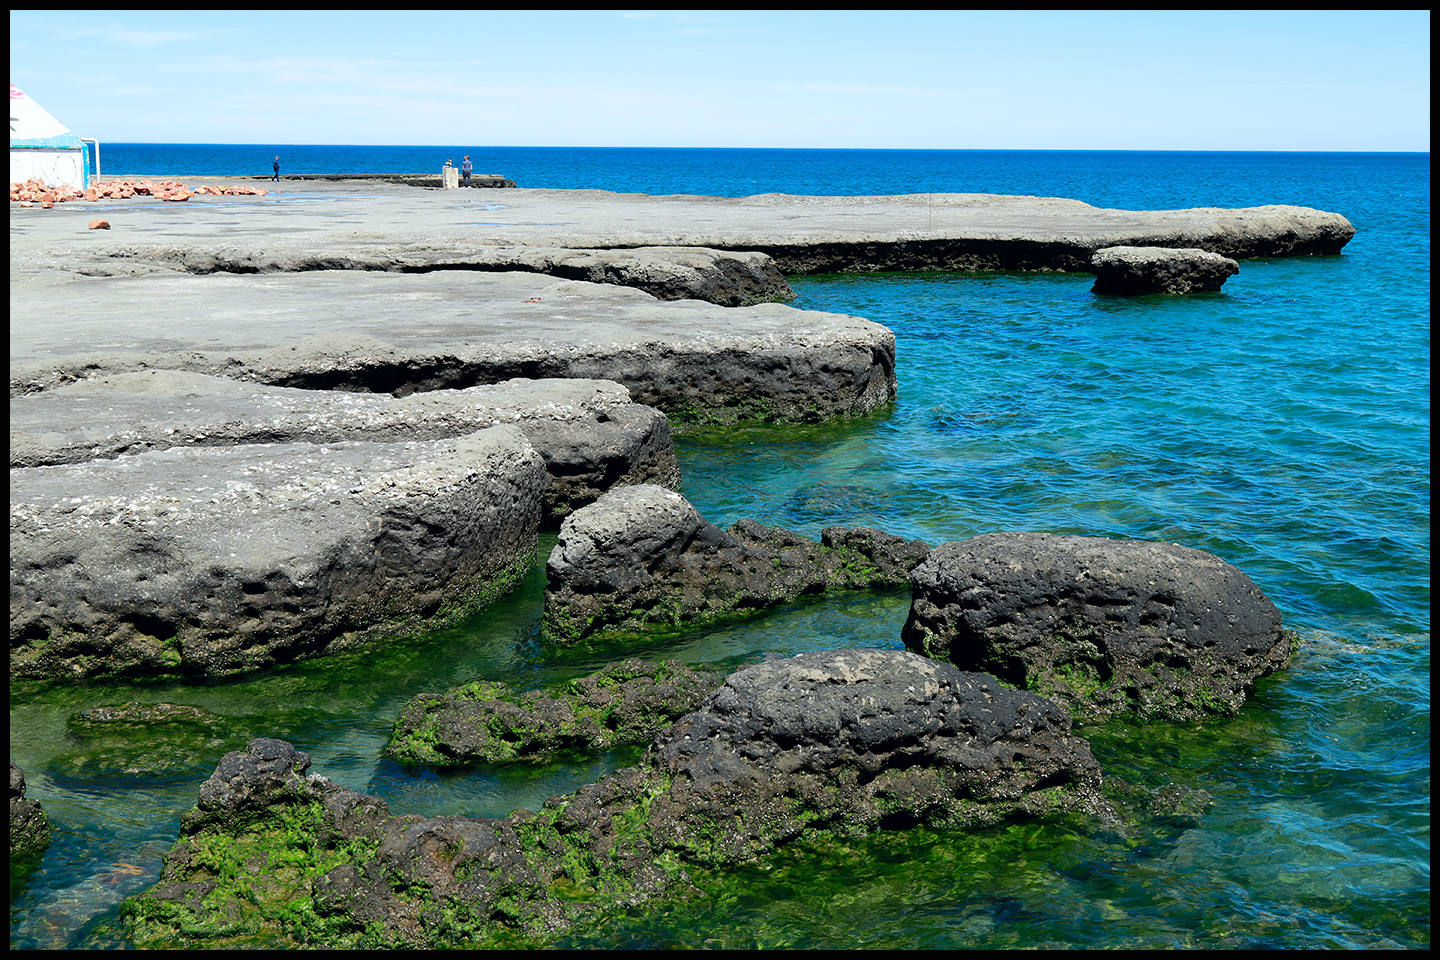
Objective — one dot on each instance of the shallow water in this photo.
(1282, 424)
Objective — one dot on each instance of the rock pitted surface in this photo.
(29, 826)
(626, 703)
(589, 434)
(730, 278)
(1132, 271)
(376, 332)
(1103, 626)
(844, 742)
(214, 561)
(642, 557)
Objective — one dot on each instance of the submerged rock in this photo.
(642, 557)
(143, 741)
(1103, 626)
(843, 742)
(626, 703)
(1130, 271)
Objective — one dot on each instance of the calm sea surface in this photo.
(1283, 424)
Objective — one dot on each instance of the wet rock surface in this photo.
(1132, 271)
(29, 828)
(143, 742)
(642, 557)
(589, 434)
(625, 704)
(843, 742)
(215, 561)
(1103, 626)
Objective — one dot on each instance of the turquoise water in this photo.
(1282, 424)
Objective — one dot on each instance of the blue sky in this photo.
(1221, 80)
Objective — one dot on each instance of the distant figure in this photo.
(466, 169)
(277, 169)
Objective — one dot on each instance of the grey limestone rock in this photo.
(588, 432)
(641, 557)
(1103, 626)
(214, 561)
(1130, 271)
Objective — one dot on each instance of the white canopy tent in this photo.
(43, 148)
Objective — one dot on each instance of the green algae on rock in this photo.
(840, 743)
(625, 704)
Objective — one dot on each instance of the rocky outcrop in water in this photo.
(641, 557)
(843, 743)
(625, 704)
(1102, 626)
(1131, 271)
(214, 561)
(29, 826)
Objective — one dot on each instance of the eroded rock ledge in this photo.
(588, 432)
(843, 742)
(726, 278)
(214, 561)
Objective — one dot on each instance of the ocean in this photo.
(1283, 424)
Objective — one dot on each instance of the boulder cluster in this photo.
(844, 742)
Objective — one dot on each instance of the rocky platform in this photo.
(203, 562)
(588, 432)
(802, 234)
(400, 334)
(842, 743)
(1103, 626)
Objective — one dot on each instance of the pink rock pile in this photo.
(31, 192)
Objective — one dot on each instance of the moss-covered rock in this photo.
(29, 830)
(625, 704)
(842, 743)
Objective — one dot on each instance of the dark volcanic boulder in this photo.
(29, 826)
(851, 740)
(1130, 271)
(1104, 626)
(643, 557)
(845, 741)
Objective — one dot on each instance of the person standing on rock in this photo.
(466, 169)
(277, 169)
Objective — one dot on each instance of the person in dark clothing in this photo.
(277, 169)
(466, 169)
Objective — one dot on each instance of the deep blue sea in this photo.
(1283, 424)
